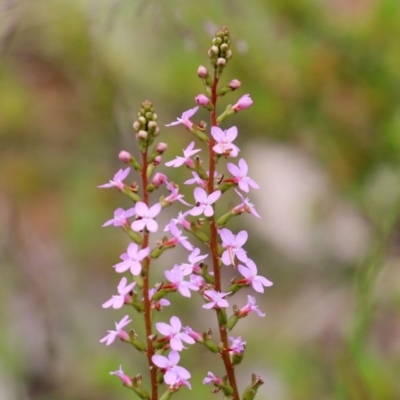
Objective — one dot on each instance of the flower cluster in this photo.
(211, 247)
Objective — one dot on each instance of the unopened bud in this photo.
(202, 100)
(159, 179)
(124, 156)
(221, 61)
(244, 102)
(234, 84)
(136, 126)
(161, 147)
(157, 160)
(202, 71)
(142, 134)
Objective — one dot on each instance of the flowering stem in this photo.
(214, 244)
(146, 298)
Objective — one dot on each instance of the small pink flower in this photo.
(173, 373)
(178, 237)
(250, 306)
(117, 181)
(233, 246)
(244, 102)
(118, 331)
(216, 299)
(187, 153)
(250, 274)
(194, 259)
(173, 333)
(197, 180)
(212, 379)
(237, 346)
(245, 206)
(123, 291)
(120, 217)
(177, 279)
(240, 175)
(121, 375)
(204, 202)
(147, 217)
(224, 141)
(185, 118)
(174, 194)
(132, 259)
(180, 220)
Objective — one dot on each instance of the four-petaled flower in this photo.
(177, 237)
(196, 179)
(204, 202)
(245, 206)
(173, 373)
(121, 375)
(185, 118)
(240, 177)
(250, 306)
(173, 333)
(176, 276)
(237, 346)
(117, 181)
(120, 217)
(224, 141)
(233, 246)
(132, 259)
(194, 259)
(118, 331)
(187, 153)
(147, 216)
(216, 299)
(250, 274)
(123, 291)
(174, 194)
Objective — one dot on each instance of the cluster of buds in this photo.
(211, 247)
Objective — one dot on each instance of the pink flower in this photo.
(176, 277)
(237, 346)
(147, 217)
(175, 195)
(224, 141)
(121, 375)
(204, 202)
(132, 259)
(177, 237)
(173, 333)
(240, 175)
(181, 220)
(250, 306)
(118, 179)
(118, 331)
(120, 217)
(216, 299)
(197, 180)
(197, 337)
(173, 373)
(187, 153)
(185, 118)
(250, 274)
(244, 102)
(233, 245)
(194, 259)
(245, 207)
(212, 379)
(123, 291)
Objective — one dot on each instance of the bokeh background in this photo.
(322, 140)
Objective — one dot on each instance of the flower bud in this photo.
(202, 100)
(161, 147)
(244, 102)
(234, 84)
(124, 156)
(157, 160)
(221, 61)
(202, 71)
(142, 134)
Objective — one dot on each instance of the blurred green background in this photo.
(322, 140)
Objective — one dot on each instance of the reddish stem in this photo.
(229, 367)
(146, 299)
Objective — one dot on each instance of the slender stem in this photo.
(214, 246)
(146, 299)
